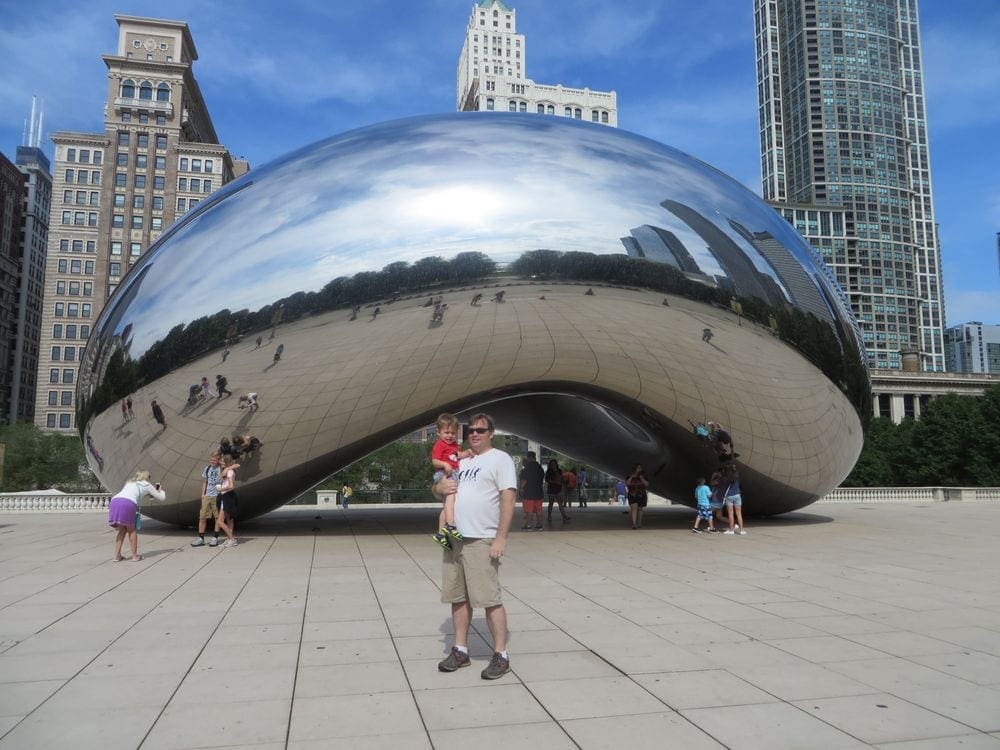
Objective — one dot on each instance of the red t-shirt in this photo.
(447, 452)
(569, 479)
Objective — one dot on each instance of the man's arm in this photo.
(507, 501)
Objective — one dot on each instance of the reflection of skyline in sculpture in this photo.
(802, 289)
(739, 269)
(368, 219)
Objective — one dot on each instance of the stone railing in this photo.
(71, 502)
(95, 501)
(911, 494)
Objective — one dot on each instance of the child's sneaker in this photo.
(695, 531)
(712, 530)
(442, 539)
(452, 531)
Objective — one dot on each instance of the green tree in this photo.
(36, 460)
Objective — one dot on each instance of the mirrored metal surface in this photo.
(599, 292)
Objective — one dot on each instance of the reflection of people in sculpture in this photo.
(438, 315)
(158, 414)
(498, 297)
(94, 452)
(128, 403)
(278, 352)
(124, 412)
(706, 335)
(260, 340)
(249, 401)
(220, 386)
(589, 292)
(700, 430)
(476, 299)
(722, 441)
(206, 390)
(376, 311)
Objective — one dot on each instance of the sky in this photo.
(278, 76)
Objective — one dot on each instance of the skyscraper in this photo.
(492, 73)
(115, 192)
(844, 157)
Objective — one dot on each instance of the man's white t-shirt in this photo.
(481, 479)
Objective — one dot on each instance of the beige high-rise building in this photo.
(492, 73)
(114, 193)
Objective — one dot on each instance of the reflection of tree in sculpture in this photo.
(184, 343)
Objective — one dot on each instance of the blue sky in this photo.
(277, 76)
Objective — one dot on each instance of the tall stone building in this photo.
(844, 157)
(115, 192)
(492, 73)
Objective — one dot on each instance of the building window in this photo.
(196, 165)
(66, 398)
(73, 310)
(74, 288)
(60, 309)
(184, 164)
(121, 179)
(136, 222)
(128, 89)
(138, 201)
(208, 165)
(162, 92)
(146, 91)
(568, 112)
(540, 109)
(489, 104)
(122, 137)
(119, 200)
(79, 218)
(67, 376)
(71, 330)
(97, 157)
(71, 154)
(67, 217)
(92, 219)
(512, 106)
(88, 267)
(140, 181)
(57, 331)
(181, 205)
(56, 351)
(126, 117)
(156, 223)
(84, 331)
(74, 266)
(157, 202)
(182, 183)
(135, 249)
(53, 398)
(162, 119)
(85, 156)
(85, 309)
(142, 140)
(159, 182)
(50, 419)
(60, 287)
(95, 177)
(206, 186)
(161, 162)
(64, 421)
(140, 161)
(114, 269)
(88, 289)
(118, 221)
(61, 266)
(69, 354)
(116, 248)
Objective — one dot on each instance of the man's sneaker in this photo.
(214, 542)
(455, 660)
(695, 531)
(729, 531)
(442, 539)
(538, 527)
(453, 532)
(497, 667)
(198, 542)
(712, 530)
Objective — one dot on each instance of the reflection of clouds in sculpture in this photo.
(324, 211)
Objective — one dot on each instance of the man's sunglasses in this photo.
(479, 430)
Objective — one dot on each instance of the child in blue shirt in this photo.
(703, 495)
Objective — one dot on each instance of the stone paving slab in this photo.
(837, 626)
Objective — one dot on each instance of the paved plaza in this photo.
(840, 626)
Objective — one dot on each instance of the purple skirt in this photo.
(121, 512)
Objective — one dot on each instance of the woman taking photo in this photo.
(635, 487)
(227, 500)
(124, 510)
